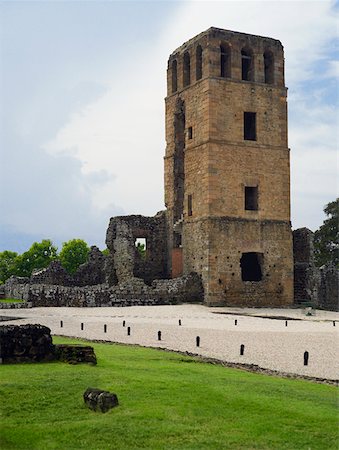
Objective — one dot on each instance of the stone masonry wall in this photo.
(25, 343)
(328, 297)
(132, 291)
(306, 274)
(88, 274)
(125, 260)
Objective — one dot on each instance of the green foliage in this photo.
(105, 252)
(166, 401)
(141, 249)
(38, 256)
(326, 239)
(73, 254)
(7, 265)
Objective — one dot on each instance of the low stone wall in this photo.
(16, 305)
(133, 292)
(25, 343)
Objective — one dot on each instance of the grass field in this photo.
(10, 300)
(167, 401)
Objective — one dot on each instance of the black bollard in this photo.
(285, 323)
(306, 355)
(82, 326)
(180, 322)
(334, 323)
(128, 331)
(236, 322)
(61, 324)
(242, 349)
(105, 328)
(198, 341)
(159, 335)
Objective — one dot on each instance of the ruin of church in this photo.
(227, 169)
(227, 177)
(225, 237)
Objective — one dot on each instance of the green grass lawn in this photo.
(10, 300)
(167, 401)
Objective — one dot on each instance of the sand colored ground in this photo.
(267, 341)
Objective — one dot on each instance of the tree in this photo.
(73, 254)
(7, 265)
(141, 248)
(38, 256)
(326, 239)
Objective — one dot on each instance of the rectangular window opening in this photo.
(250, 126)
(141, 246)
(251, 198)
(190, 133)
(189, 205)
(251, 266)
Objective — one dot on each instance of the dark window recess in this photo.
(189, 205)
(246, 65)
(250, 264)
(225, 61)
(187, 69)
(174, 76)
(190, 132)
(250, 126)
(269, 67)
(177, 240)
(198, 63)
(251, 198)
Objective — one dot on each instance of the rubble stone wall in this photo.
(306, 274)
(88, 274)
(126, 262)
(313, 284)
(25, 343)
(328, 289)
(131, 292)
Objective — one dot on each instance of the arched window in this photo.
(174, 76)
(198, 63)
(269, 67)
(225, 61)
(247, 73)
(187, 69)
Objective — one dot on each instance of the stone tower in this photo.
(227, 170)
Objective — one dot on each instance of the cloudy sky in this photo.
(82, 111)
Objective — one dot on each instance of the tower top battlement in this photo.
(219, 53)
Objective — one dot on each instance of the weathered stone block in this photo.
(99, 400)
(75, 353)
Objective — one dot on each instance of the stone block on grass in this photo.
(99, 400)
(75, 353)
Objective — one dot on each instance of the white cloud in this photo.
(122, 132)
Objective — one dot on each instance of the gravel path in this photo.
(269, 341)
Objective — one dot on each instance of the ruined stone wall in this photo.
(217, 258)
(131, 292)
(126, 261)
(328, 297)
(53, 274)
(88, 274)
(306, 274)
(25, 343)
(318, 286)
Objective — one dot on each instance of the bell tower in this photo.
(227, 170)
